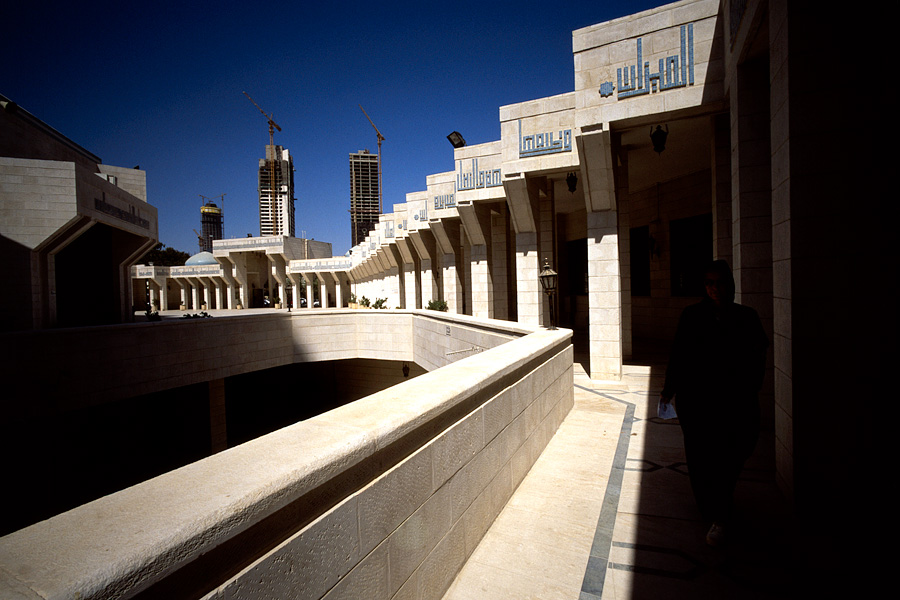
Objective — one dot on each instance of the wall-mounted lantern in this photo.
(658, 137)
(549, 279)
(288, 289)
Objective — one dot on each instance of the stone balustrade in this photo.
(385, 497)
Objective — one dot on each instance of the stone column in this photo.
(498, 262)
(751, 208)
(277, 270)
(218, 430)
(528, 287)
(401, 274)
(476, 220)
(195, 293)
(154, 294)
(323, 292)
(338, 295)
(721, 188)
(391, 275)
(239, 273)
(408, 270)
(424, 243)
(309, 289)
(523, 198)
(604, 295)
(447, 233)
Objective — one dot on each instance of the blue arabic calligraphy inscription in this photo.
(444, 201)
(477, 179)
(543, 143)
(674, 71)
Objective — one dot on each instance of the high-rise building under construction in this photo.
(276, 192)
(211, 221)
(365, 198)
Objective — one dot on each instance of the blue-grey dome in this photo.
(201, 258)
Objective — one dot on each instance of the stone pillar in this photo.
(528, 287)
(309, 289)
(323, 292)
(751, 208)
(218, 430)
(408, 272)
(239, 273)
(394, 249)
(476, 220)
(498, 262)
(604, 295)
(523, 198)
(391, 275)
(277, 271)
(209, 292)
(338, 293)
(447, 233)
(154, 294)
(721, 189)
(163, 294)
(424, 243)
(184, 291)
(221, 293)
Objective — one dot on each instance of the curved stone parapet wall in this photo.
(382, 498)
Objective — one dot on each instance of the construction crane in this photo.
(380, 139)
(199, 240)
(272, 124)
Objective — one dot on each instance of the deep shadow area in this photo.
(57, 463)
(666, 540)
(264, 401)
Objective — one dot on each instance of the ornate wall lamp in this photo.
(658, 137)
(549, 279)
(572, 182)
(288, 289)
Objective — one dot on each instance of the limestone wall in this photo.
(381, 498)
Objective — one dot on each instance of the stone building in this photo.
(695, 131)
(71, 227)
(276, 192)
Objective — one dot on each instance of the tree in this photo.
(162, 256)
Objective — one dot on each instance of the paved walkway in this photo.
(607, 513)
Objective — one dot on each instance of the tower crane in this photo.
(199, 240)
(380, 139)
(272, 124)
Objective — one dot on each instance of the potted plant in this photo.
(277, 302)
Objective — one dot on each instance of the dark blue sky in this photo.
(159, 85)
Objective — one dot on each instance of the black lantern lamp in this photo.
(456, 139)
(549, 279)
(288, 289)
(658, 137)
(572, 182)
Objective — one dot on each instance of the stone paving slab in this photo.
(607, 513)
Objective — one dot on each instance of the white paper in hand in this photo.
(665, 410)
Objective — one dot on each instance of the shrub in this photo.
(440, 305)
